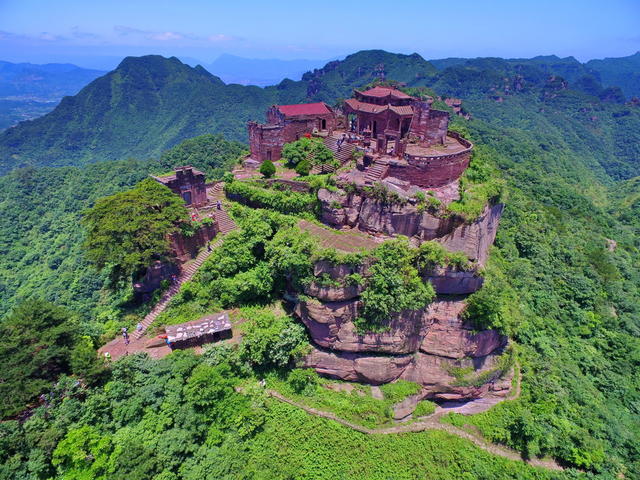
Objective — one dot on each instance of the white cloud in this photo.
(164, 36)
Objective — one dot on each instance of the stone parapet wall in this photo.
(430, 172)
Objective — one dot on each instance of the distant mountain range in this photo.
(148, 104)
(261, 72)
(28, 91)
(623, 72)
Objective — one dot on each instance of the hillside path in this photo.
(428, 423)
(432, 422)
(137, 341)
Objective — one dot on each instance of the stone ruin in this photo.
(406, 148)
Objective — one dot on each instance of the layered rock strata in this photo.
(372, 215)
(423, 346)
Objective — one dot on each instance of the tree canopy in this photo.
(129, 230)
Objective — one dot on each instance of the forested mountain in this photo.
(149, 104)
(563, 276)
(623, 72)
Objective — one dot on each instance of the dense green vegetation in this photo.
(350, 401)
(41, 237)
(128, 231)
(621, 72)
(182, 417)
(392, 285)
(209, 153)
(555, 282)
(307, 152)
(283, 201)
(40, 342)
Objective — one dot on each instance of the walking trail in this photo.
(432, 422)
(137, 341)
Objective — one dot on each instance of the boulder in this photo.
(432, 372)
(331, 326)
(371, 369)
(449, 337)
(447, 281)
(474, 239)
(332, 293)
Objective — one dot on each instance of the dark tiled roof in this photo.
(402, 110)
(365, 107)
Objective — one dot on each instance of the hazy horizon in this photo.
(95, 35)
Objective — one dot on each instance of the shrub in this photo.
(399, 390)
(424, 408)
(303, 168)
(303, 380)
(282, 201)
(393, 285)
(267, 169)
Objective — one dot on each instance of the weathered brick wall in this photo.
(427, 124)
(186, 248)
(430, 173)
(264, 139)
(272, 136)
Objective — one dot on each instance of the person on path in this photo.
(125, 335)
(219, 205)
(208, 246)
(139, 327)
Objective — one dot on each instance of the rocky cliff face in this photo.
(340, 209)
(424, 346)
(433, 346)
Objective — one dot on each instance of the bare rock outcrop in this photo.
(373, 215)
(449, 337)
(366, 368)
(331, 325)
(447, 281)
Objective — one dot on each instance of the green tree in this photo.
(303, 168)
(271, 340)
(393, 285)
(37, 340)
(267, 169)
(129, 230)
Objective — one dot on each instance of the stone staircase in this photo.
(226, 225)
(346, 149)
(343, 154)
(376, 172)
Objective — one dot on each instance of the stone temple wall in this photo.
(430, 172)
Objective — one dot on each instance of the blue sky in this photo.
(83, 30)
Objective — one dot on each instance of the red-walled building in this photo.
(387, 114)
(187, 182)
(287, 123)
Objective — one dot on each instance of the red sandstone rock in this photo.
(331, 326)
(431, 372)
(370, 369)
(446, 281)
(374, 216)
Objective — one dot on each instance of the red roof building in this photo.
(288, 123)
(304, 109)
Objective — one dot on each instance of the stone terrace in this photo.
(348, 242)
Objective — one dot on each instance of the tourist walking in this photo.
(125, 335)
